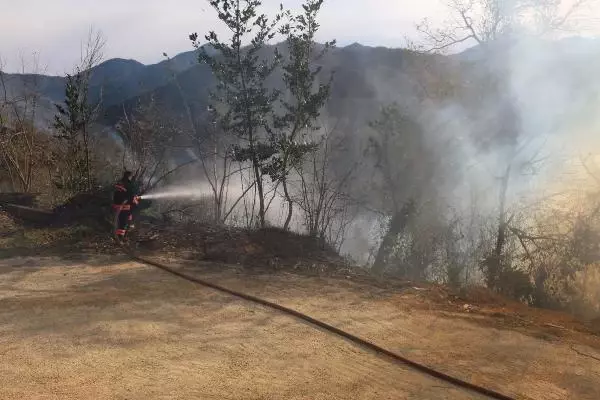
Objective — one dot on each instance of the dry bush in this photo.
(200, 210)
(586, 292)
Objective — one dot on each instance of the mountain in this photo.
(119, 82)
(112, 83)
(365, 78)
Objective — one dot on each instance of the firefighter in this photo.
(124, 199)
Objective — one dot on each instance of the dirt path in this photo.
(525, 363)
(116, 330)
(127, 331)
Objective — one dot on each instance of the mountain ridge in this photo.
(365, 76)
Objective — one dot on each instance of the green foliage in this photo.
(285, 154)
(72, 123)
(307, 97)
(73, 116)
(240, 71)
(242, 102)
(292, 137)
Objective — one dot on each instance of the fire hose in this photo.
(329, 328)
(363, 343)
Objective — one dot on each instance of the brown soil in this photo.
(110, 329)
(126, 331)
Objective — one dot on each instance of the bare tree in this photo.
(216, 161)
(214, 150)
(215, 153)
(148, 136)
(559, 240)
(485, 21)
(18, 133)
(74, 119)
(322, 195)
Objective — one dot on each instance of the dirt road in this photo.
(109, 329)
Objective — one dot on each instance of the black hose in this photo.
(348, 336)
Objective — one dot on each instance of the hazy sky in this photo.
(144, 29)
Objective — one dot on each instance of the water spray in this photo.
(174, 194)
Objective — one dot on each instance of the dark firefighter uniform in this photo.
(124, 199)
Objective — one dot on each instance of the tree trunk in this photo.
(259, 187)
(495, 264)
(288, 219)
(397, 225)
(88, 168)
